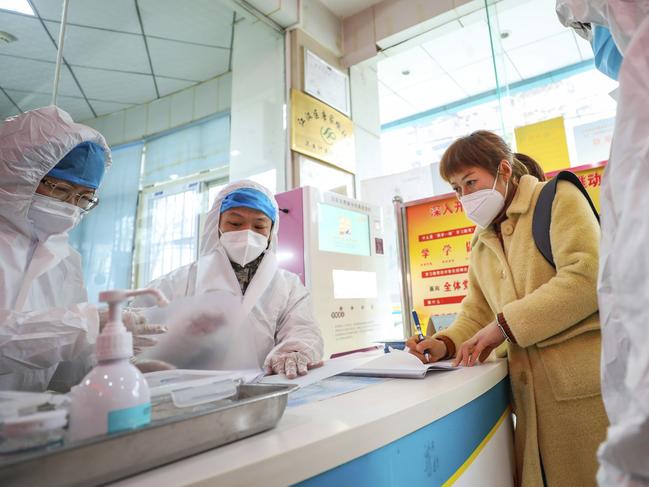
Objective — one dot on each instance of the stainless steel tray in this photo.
(256, 408)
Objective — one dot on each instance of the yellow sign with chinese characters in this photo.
(546, 142)
(321, 132)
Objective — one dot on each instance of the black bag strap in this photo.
(543, 212)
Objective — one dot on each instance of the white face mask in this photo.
(52, 217)
(483, 206)
(243, 246)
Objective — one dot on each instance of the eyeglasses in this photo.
(64, 192)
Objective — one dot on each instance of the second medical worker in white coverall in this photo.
(46, 325)
(238, 250)
(623, 289)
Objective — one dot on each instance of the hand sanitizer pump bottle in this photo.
(114, 396)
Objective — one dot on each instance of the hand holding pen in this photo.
(427, 349)
(420, 335)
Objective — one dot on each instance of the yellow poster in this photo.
(319, 131)
(591, 178)
(439, 243)
(546, 142)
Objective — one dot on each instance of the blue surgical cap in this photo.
(83, 165)
(607, 56)
(250, 198)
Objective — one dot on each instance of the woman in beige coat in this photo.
(549, 316)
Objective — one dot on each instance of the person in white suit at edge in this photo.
(620, 40)
(50, 171)
(238, 255)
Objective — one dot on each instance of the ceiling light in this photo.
(6, 38)
(20, 6)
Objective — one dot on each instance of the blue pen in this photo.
(415, 317)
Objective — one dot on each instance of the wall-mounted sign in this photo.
(319, 131)
(326, 83)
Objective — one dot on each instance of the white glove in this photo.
(291, 364)
(143, 332)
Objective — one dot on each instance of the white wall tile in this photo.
(158, 117)
(135, 122)
(225, 92)
(182, 107)
(206, 98)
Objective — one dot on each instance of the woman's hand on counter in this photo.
(479, 346)
(436, 348)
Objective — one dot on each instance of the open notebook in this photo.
(399, 364)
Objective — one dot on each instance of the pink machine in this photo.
(335, 245)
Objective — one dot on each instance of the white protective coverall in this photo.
(45, 322)
(277, 307)
(623, 288)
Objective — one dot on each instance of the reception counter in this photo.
(451, 428)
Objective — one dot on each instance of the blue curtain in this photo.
(189, 150)
(104, 238)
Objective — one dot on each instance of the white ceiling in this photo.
(113, 60)
(454, 61)
(345, 8)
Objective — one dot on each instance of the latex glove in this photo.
(146, 366)
(479, 346)
(205, 323)
(291, 364)
(143, 332)
(436, 348)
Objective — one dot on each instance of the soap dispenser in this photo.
(114, 396)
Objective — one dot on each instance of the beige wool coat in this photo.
(554, 367)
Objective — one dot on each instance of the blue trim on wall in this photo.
(428, 456)
(487, 96)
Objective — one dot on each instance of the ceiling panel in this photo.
(345, 8)
(545, 55)
(76, 107)
(168, 85)
(462, 47)
(117, 15)
(34, 76)
(527, 22)
(393, 107)
(415, 61)
(433, 93)
(117, 87)
(201, 21)
(7, 109)
(187, 61)
(32, 40)
(99, 48)
(104, 107)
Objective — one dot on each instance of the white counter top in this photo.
(316, 437)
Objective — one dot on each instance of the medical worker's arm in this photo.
(571, 295)
(298, 340)
(41, 339)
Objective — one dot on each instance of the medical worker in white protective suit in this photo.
(238, 250)
(45, 323)
(624, 256)
(50, 170)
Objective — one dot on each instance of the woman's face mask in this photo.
(52, 217)
(481, 204)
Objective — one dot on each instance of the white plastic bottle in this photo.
(114, 396)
